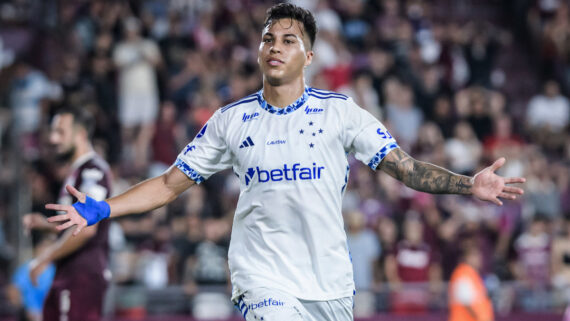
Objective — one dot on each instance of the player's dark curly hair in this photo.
(291, 11)
(81, 117)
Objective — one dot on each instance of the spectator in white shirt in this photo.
(549, 110)
(136, 59)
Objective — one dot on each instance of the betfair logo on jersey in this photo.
(309, 110)
(285, 173)
(249, 117)
(265, 303)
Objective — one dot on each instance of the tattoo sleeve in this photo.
(422, 176)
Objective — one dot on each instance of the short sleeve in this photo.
(208, 153)
(19, 277)
(366, 136)
(21, 280)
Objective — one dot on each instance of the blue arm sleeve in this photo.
(93, 211)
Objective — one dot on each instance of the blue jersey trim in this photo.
(326, 97)
(189, 171)
(242, 307)
(326, 93)
(381, 154)
(286, 110)
(345, 178)
(244, 100)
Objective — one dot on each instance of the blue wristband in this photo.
(93, 211)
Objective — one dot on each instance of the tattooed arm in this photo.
(422, 176)
(429, 178)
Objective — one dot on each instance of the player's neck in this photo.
(81, 150)
(283, 95)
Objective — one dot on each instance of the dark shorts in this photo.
(77, 299)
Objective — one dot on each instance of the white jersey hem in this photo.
(305, 296)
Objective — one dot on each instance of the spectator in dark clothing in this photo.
(480, 53)
(479, 114)
(443, 115)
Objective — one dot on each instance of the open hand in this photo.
(71, 216)
(36, 221)
(488, 186)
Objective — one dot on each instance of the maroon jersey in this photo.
(413, 261)
(89, 174)
(533, 253)
(80, 283)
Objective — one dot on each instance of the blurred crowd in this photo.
(441, 75)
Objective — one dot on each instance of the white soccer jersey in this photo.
(288, 232)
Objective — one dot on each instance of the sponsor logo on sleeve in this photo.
(189, 148)
(385, 134)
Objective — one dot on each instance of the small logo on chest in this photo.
(309, 110)
(276, 142)
(247, 143)
(249, 117)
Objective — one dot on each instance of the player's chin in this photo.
(274, 80)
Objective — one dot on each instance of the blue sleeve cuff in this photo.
(381, 154)
(93, 211)
(189, 171)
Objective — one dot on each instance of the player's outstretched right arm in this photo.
(145, 196)
(429, 178)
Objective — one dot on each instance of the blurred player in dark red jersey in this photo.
(413, 269)
(81, 278)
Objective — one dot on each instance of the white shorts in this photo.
(272, 305)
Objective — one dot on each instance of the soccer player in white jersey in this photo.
(288, 143)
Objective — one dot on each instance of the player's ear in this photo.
(309, 58)
(81, 132)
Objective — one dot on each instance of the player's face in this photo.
(283, 51)
(62, 134)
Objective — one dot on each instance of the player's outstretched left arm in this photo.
(146, 196)
(429, 178)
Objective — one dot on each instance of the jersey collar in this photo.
(83, 159)
(286, 110)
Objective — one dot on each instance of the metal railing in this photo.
(412, 298)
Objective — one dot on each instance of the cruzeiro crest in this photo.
(310, 132)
